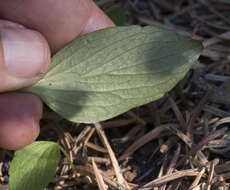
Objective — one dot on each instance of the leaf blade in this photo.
(103, 74)
(34, 166)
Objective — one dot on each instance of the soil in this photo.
(178, 142)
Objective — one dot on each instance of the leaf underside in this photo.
(108, 72)
(34, 166)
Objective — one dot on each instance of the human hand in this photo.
(35, 30)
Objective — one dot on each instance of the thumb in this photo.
(24, 56)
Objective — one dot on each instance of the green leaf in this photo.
(117, 15)
(108, 72)
(34, 166)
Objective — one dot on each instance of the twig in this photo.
(83, 133)
(196, 113)
(204, 2)
(99, 178)
(168, 144)
(225, 167)
(210, 176)
(197, 180)
(161, 172)
(130, 134)
(188, 142)
(216, 111)
(177, 112)
(88, 171)
(138, 119)
(114, 161)
(96, 147)
(170, 177)
(173, 163)
(201, 144)
(174, 160)
(99, 160)
(143, 140)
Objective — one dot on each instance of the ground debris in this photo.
(181, 141)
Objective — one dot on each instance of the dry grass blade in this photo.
(143, 140)
(222, 168)
(215, 40)
(210, 176)
(114, 161)
(214, 11)
(77, 144)
(170, 177)
(88, 171)
(177, 112)
(136, 117)
(89, 135)
(197, 180)
(129, 135)
(221, 121)
(99, 178)
(174, 160)
(172, 163)
(225, 176)
(63, 137)
(201, 144)
(83, 133)
(191, 113)
(175, 185)
(161, 172)
(151, 170)
(168, 144)
(215, 111)
(99, 160)
(196, 114)
(198, 187)
(188, 142)
(96, 147)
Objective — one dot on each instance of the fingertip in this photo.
(97, 20)
(19, 115)
(64, 20)
(24, 56)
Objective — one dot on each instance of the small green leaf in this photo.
(108, 72)
(117, 15)
(34, 166)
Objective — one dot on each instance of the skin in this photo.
(30, 32)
